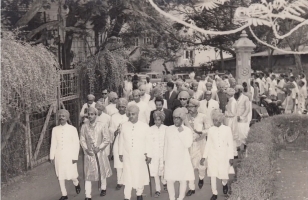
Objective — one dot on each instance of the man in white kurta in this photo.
(197, 123)
(198, 94)
(219, 152)
(242, 114)
(157, 133)
(105, 120)
(112, 107)
(209, 87)
(178, 166)
(94, 138)
(115, 127)
(207, 105)
(144, 112)
(144, 96)
(135, 152)
(64, 150)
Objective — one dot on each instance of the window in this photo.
(188, 54)
(145, 54)
(147, 40)
(154, 76)
(136, 42)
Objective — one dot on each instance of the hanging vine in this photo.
(28, 77)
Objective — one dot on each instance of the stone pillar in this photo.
(243, 48)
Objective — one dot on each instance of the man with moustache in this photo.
(64, 151)
(135, 152)
(94, 138)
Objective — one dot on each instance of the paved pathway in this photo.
(41, 184)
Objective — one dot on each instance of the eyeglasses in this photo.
(104, 93)
(182, 99)
(176, 118)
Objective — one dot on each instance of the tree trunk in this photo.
(270, 58)
(66, 50)
(34, 9)
(96, 40)
(298, 63)
(222, 63)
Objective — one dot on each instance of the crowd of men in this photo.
(191, 127)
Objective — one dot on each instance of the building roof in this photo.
(276, 52)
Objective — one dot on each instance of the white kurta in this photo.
(64, 149)
(105, 120)
(144, 112)
(203, 108)
(134, 142)
(111, 109)
(152, 105)
(178, 166)
(230, 116)
(218, 151)
(145, 98)
(158, 140)
(198, 95)
(116, 120)
(242, 111)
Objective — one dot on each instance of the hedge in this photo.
(256, 172)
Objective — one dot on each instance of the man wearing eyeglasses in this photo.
(104, 98)
(178, 166)
(113, 100)
(197, 123)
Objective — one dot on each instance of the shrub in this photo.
(256, 172)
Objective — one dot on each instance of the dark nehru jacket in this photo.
(168, 117)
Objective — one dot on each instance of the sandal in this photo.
(157, 194)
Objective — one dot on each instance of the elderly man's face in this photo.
(177, 121)
(183, 101)
(195, 88)
(208, 96)
(62, 117)
(157, 94)
(121, 108)
(209, 87)
(191, 108)
(158, 121)
(100, 110)
(115, 100)
(142, 91)
(90, 101)
(216, 122)
(91, 116)
(136, 97)
(133, 116)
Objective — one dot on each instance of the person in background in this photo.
(135, 152)
(148, 86)
(302, 96)
(113, 100)
(226, 80)
(295, 93)
(260, 84)
(178, 166)
(199, 128)
(209, 87)
(249, 94)
(64, 152)
(94, 138)
(290, 72)
(144, 113)
(280, 92)
(232, 82)
(170, 95)
(156, 93)
(207, 105)
(84, 110)
(289, 102)
(104, 98)
(197, 93)
(159, 104)
(115, 130)
(222, 95)
(157, 134)
(201, 83)
(218, 152)
(144, 96)
(229, 74)
(130, 98)
(272, 88)
(128, 87)
(135, 82)
(242, 114)
(256, 94)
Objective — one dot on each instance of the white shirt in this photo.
(86, 105)
(144, 111)
(148, 87)
(145, 98)
(111, 109)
